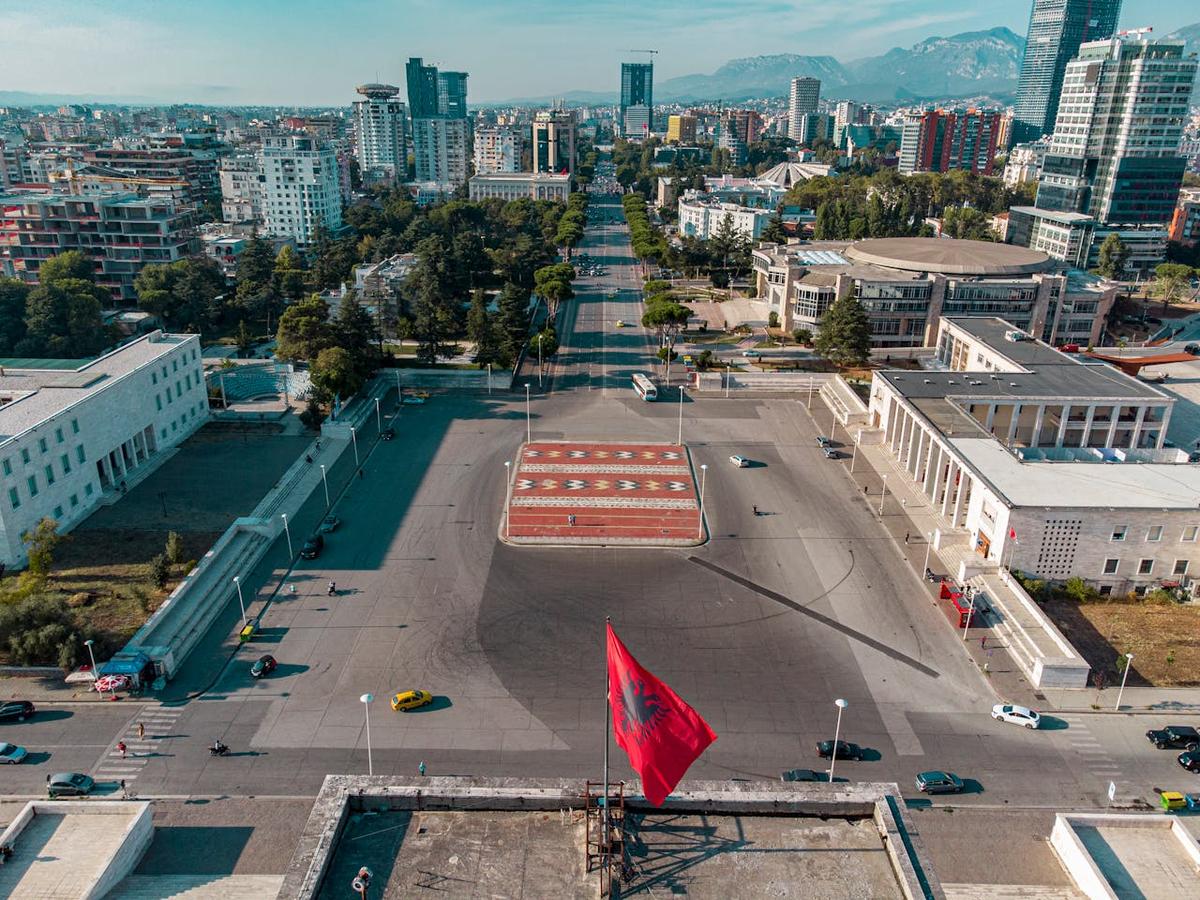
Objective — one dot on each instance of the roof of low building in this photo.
(949, 256)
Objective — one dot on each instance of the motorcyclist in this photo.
(219, 748)
(332, 589)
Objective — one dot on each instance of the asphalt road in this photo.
(761, 629)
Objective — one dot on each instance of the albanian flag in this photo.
(661, 734)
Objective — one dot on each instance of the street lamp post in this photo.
(539, 340)
(928, 547)
(88, 643)
(810, 389)
(366, 699)
(1124, 677)
(325, 481)
(882, 495)
(241, 600)
(728, 375)
(680, 440)
(853, 455)
(703, 476)
(970, 616)
(528, 426)
(378, 416)
(837, 733)
(507, 495)
(288, 532)
(354, 439)
(489, 379)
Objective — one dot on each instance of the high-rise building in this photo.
(802, 100)
(811, 127)
(497, 149)
(1056, 29)
(452, 94)
(681, 129)
(637, 89)
(301, 187)
(441, 148)
(379, 127)
(1114, 154)
(938, 140)
(554, 141)
(422, 88)
(241, 190)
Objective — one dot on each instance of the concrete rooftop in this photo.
(949, 257)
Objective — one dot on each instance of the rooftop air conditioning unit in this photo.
(1015, 336)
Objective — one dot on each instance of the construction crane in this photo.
(641, 51)
(1136, 32)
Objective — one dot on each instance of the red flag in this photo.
(661, 734)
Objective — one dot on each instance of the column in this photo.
(951, 471)
(1112, 428)
(1062, 425)
(1036, 437)
(1087, 425)
(990, 418)
(1136, 438)
(914, 458)
(1012, 424)
(932, 466)
(964, 488)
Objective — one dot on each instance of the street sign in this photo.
(1112, 791)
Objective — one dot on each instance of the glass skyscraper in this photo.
(1056, 29)
(637, 89)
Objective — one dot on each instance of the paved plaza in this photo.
(603, 493)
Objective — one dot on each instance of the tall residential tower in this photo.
(1056, 29)
(802, 101)
(379, 128)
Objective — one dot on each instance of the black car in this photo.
(804, 775)
(312, 547)
(16, 709)
(845, 750)
(264, 665)
(387, 434)
(1183, 737)
(1193, 349)
(1190, 760)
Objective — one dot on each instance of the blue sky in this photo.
(315, 51)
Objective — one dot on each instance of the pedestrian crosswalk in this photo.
(1093, 757)
(137, 745)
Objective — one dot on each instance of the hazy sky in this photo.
(316, 51)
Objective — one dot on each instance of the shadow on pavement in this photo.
(438, 702)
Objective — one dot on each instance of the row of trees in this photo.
(665, 315)
(60, 317)
(648, 242)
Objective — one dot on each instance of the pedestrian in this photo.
(571, 520)
(864, 488)
(360, 474)
(983, 642)
(124, 790)
(308, 459)
(291, 588)
(121, 748)
(141, 731)
(421, 768)
(755, 508)
(906, 537)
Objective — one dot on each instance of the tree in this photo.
(553, 284)
(774, 231)
(255, 268)
(433, 308)
(514, 320)
(355, 332)
(334, 373)
(70, 265)
(174, 548)
(288, 274)
(62, 319)
(160, 570)
(42, 541)
(482, 331)
(667, 318)
(844, 337)
(245, 340)
(1114, 254)
(967, 223)
(1171, 280)
(183, 293)
(545, 343)
(304, 330)
(13, 295)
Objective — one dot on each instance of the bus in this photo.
(644, 387)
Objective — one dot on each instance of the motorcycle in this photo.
(218, 750)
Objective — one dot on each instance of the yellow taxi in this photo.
(406, 700)
(620, 323)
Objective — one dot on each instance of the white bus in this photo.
(644, 387)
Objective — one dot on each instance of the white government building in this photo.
(1045, 462)
(70, 437)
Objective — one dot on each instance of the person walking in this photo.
(124, 790)
(421, 768)
(906, 534)
(141, 731)
(121, 748)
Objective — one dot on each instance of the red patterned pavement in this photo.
(591, 493)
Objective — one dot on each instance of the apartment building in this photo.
(497, 148)
(301, 187)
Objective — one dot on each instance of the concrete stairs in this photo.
(197, 887)
(1010, 892)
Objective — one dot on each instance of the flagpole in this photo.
(607, 729)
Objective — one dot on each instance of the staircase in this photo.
(1010, 892)
(198, 887)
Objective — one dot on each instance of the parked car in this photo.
(264, 665)
(1016, 715)
(414, 400)
(312, 547)
(1182, 737)
(845, 750)
(69, 784)
(620, 323)
(11, 754)
(328, 524)
(16, 709)
(937, 782)
(1190, 760)
(829, 453)
(406, 700)
(751, 354)
(387, 434)
(740, 461)
(804, 775)
(823, 441)
(1193, 349)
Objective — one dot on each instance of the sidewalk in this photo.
(47, 685)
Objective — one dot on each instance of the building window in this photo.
(1105, 590)
(154, 378)
(58, 435)
(7, 466)
(74, 500)
(24, 455)
(32, 482)
(74, 426)
(1118, 533)
(87, 489)
(80, 455)
(58, 512)
(1180, 567)
(66, 463)
(1145, 567)
(158, 401)
(49, 474)
(1189, 535)
(1110, 566)
(14, 498)
(42, 444)
(1154, 534)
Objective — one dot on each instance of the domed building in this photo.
(908, 284)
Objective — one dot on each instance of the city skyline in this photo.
(529, 48)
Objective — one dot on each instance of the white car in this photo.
(740, 461)
(1016, 715)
